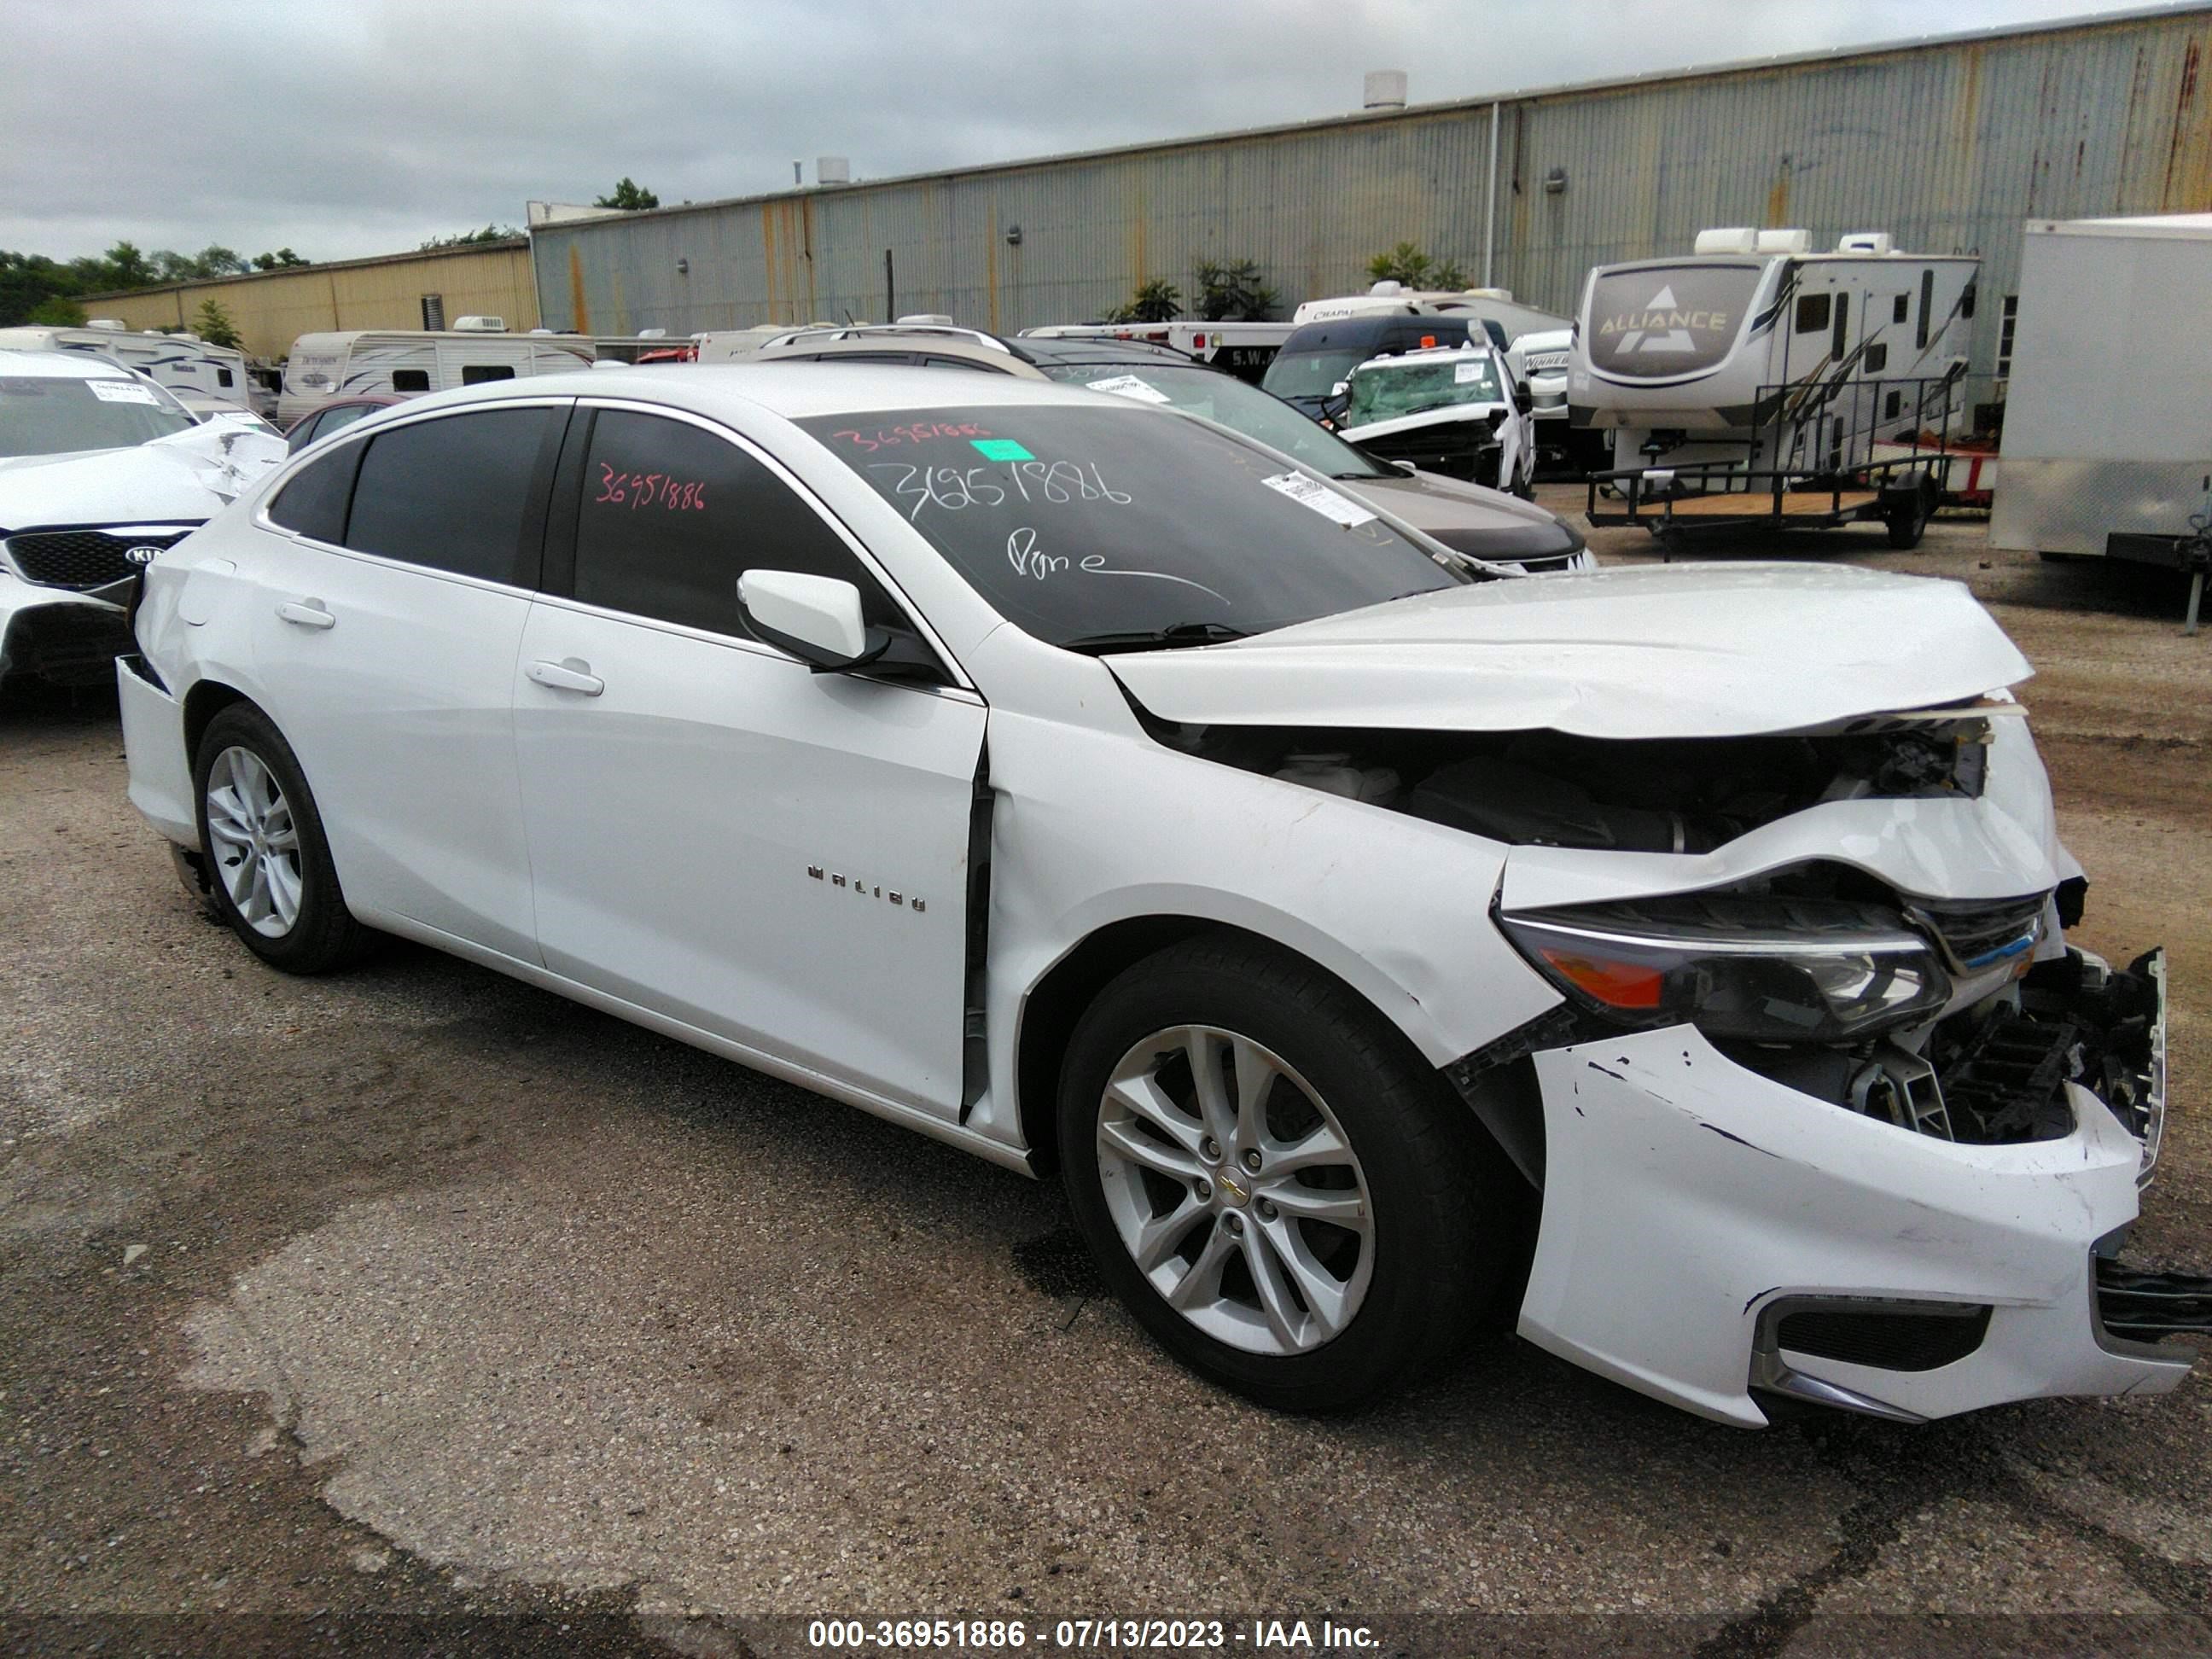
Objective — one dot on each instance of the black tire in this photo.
(324, 935)
(1906, 517)
(1449, 1220)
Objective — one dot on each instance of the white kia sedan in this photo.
(1668, 962)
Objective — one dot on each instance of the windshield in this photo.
(1668, 319)
(1408, 385)
(1309, 374)
(54, 415)
(1212, 396)
(1097, 523)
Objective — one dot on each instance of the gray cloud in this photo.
(351, 127)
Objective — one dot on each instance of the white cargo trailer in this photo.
(2107, 450)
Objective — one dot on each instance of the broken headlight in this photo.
(1753, 969)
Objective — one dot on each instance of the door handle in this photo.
(570, 675)
(307, 613)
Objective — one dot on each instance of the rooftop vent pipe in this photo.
(1385, 89)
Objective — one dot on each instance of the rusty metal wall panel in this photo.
(1950, 146)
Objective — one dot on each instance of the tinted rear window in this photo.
(451, 493)
(1668, 319)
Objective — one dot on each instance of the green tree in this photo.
(1406, 264)
(1157, 301)
(471, 238)
(56, 312)
(629, 196)
(282, 259)
(121, 266)
(212, 323)
(1231, 292)
(28, 280)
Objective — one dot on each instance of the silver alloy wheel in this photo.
(1235, 1190)
(254, 845)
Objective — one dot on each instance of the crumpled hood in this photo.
(1656, 652)
(186, 477)
(1444, 414)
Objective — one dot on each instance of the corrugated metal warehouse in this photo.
(1947, 143)
(273, 308)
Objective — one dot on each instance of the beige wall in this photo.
(272, 309)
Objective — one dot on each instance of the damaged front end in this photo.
(1829, 1111)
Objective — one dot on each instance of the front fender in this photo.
(1096, 827)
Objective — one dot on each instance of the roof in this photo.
(61, 366)
(1370, 117)
(453, 251)
(794, 391)
(986, 352)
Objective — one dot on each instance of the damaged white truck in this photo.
(1668, 963)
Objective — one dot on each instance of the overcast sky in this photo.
(343, 128)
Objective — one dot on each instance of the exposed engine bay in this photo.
(1551, 789)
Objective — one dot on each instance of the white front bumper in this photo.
(1683, 1193)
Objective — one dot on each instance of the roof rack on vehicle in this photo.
(871, 331)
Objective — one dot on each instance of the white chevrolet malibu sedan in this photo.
(1667, 961)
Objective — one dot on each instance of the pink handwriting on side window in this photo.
(636, 489)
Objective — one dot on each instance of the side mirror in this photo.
(815, 618)
(1407, 468)
(1524, 399)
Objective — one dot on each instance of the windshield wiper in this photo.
(1155, 639)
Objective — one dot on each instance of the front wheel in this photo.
(1273, 1183)
(270, 873)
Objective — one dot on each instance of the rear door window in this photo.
(672, 514)
(458, 494)
(314, 503)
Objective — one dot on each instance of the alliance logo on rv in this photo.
(1661, 326)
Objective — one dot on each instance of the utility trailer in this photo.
(2108, 415)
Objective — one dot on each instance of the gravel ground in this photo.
(416, 1310)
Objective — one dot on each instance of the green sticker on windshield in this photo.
(1001, 449)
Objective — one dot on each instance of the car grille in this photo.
(1979, 934)
(80, 558)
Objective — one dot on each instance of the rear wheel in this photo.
(1278, 1189)
(269, 866)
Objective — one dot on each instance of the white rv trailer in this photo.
(2107, 450)
(1759, 353)
(412, 361)
(184, 363)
